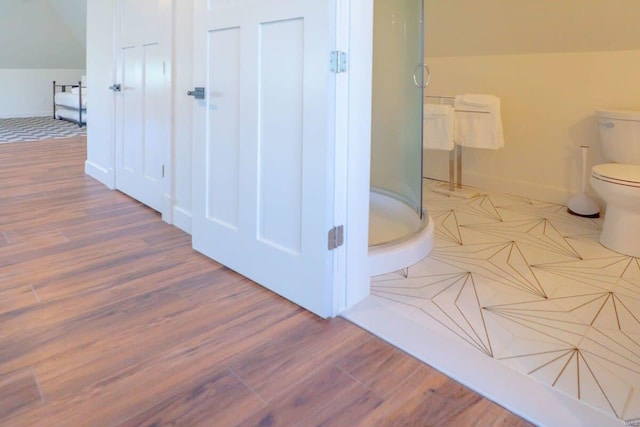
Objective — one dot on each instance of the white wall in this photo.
(29, 92)
(100, 100)
(39, 43)
(551, 71)
(182, 112)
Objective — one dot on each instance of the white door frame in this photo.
(353, 151)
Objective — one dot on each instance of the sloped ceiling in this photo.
(74, 14)
(43, 33)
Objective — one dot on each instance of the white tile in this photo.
(632, 410)
(528, 355)
(519, 393)
(430, 266)
(521, 285)
(632, 272)
(600, 273)
(616, 389)
(618, 351)
(567, 379)
(492, 291)
(593, 395)
(419, 287)
(589, 247)
(526, 327)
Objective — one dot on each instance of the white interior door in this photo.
(143, 99)
(263, 143)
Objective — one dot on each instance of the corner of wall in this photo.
(182, 219)
(100, 174)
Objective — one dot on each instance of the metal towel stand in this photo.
(455, 161)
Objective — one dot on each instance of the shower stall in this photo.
(400, 230)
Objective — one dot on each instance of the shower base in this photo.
(398, 238)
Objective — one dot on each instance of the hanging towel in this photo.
(438, 127)
(478, 121)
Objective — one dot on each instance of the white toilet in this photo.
(618, 183)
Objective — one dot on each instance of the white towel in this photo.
(438, 127)
(478, 121)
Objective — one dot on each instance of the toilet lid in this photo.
(616, 173)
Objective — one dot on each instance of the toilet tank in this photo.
(620, 135)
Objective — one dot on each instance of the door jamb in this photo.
(354, 28)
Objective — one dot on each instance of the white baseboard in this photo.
(26, 114)
(167, 209)
(182, 219)
(527, 189)
(100, 173)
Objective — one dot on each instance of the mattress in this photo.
(70, 114)
(69, 99)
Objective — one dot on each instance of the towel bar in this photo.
(454, 186)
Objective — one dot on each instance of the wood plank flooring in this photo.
(109, 318)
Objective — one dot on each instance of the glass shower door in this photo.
(398, 76)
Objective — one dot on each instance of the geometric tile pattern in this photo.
(530, 286)
(37, 128)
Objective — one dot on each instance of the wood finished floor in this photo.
(109, 318)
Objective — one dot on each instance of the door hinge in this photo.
(336, 237)
(338, 61)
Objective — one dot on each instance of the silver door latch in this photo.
(197, 92)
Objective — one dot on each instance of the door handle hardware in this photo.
(197, 92)
(426, 77)
(116, 87)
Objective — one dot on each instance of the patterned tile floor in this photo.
(528, 285)
(37, 128)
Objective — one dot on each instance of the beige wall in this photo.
(549, 85)
(494, 27)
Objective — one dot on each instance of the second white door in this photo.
(143, 99)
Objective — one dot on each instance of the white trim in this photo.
(167, 208)
(41, 113)
(521, 394)
(341, 158)
(182, 219)
(100, 173)
(169, 163)
(359, 27)
(532, 190)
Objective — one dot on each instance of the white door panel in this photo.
(143, 106)
(223, 150)
(263, 141)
